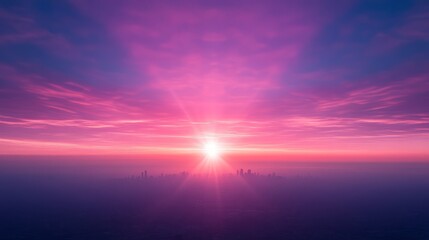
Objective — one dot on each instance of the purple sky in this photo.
(266, 77)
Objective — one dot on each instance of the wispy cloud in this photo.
(151, 76)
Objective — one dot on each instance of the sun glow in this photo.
(212, 150)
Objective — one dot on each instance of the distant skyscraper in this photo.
(241, 172)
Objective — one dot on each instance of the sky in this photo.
(266, 78)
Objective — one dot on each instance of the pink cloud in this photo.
(194, 69)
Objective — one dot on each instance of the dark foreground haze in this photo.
(301, 201)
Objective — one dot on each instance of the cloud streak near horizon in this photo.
(155, 77)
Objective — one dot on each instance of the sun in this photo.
(212, 150)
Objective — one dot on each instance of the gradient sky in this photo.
(263, 77)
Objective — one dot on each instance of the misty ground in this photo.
(368, 203)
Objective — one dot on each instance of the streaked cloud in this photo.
(155, 77)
